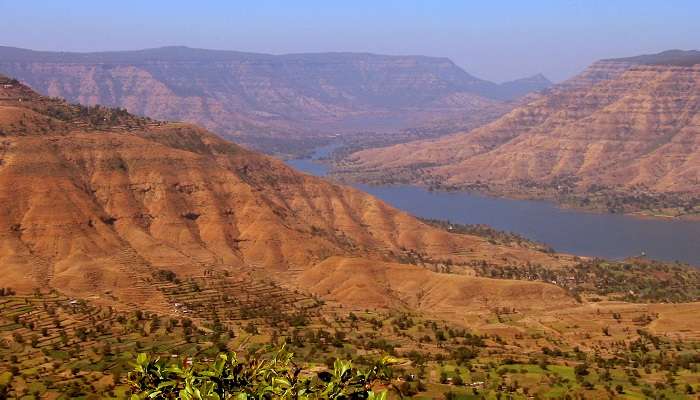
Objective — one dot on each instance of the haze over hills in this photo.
(624, 135)
(266, 100)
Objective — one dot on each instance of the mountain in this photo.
(100, 203)
(263, 99)
(518, 88)
(624, 135)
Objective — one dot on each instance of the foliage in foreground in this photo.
(263, 375)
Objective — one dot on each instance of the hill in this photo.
(98, 201)
(622, 136)
(276, 103)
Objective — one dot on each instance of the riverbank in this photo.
(637, 202)
(566, 229)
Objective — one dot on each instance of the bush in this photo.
(265, 374)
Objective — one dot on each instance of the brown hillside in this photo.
(96, 201)
(618, 128)
(390, 285)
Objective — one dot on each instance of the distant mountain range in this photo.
(624, 135)
(251, 96)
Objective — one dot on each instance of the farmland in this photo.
(53, 346)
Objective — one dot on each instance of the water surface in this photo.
(571, 231)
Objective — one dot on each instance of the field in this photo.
(52, 346)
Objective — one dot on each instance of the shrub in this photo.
(265, 374)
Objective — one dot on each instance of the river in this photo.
(566, 230)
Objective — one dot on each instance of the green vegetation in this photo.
(94, 116)
(634, 280)
(54, 347)
(495, 236)
(638, 199)
(264, 375)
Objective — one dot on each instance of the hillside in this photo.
(624, 135)
(98, 201)
(276, 103)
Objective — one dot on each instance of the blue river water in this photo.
(572, 231)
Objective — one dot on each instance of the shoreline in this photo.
(508, 195)
(592, 247)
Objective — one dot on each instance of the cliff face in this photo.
(246, 95)
(619, 125)
(96, 200)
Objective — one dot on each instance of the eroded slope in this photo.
(96, 201)
(620, 129)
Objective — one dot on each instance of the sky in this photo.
(495, 40)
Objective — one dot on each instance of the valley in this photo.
(125, 234)
(359, 200)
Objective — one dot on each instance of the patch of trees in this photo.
(495, 236)
(165, 275)
(633, 280)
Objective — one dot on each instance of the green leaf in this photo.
(142, 359)
(170, 383)
(377, 396)
(281, 381)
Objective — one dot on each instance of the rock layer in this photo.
(256, 96)
(620, 125)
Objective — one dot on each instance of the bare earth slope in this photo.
(627, 131)
(255, 97)
(95, 201)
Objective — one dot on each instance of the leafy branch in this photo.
(266, 374)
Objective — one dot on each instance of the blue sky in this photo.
(496, 40)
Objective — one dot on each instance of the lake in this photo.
(571, 231)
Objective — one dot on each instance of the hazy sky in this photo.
(496, 40)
